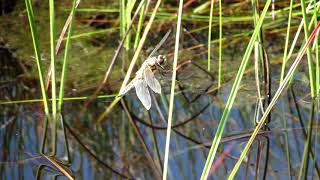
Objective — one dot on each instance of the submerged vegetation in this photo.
(239, 97)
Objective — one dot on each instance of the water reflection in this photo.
(130, 142)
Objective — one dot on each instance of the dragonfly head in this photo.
(161, 60)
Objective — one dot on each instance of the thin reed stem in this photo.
(173, 84)
(209, 35)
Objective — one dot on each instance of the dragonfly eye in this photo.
(161, 59)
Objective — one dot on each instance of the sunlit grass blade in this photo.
(309, 52)
(53, 72)
(36, 47)
(173, 84)
(284, 61)
(65, 58)
(273, 102)
(220, 44)
(122, 13)
(233, 93)
(133, 61)
(139, 26)
(209, 35)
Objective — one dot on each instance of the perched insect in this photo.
(144, 78)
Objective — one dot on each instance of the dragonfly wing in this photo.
(127, 88)
(152, 82)
(143, 93)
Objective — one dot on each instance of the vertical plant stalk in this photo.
(59, 41)
(209, 35)
(220, 44)
(138, 32)
(309, 52)
(53, 79)
(36, 47)
(173, 84)
(284, 61)
(317, 87)
(295, 39)
(129, 7)
(133, 61)
(304, 131)
(233, 93)
(63, 75)
(122, 13)
(273, 102)
(316, 140)
(305, 158)
(285, 53)
(65, 58)
(315, 14)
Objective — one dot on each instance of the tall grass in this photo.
(309, 52)
(36, 47)
(273, 101)
(65, 58)
(173, 85)
(233, 93)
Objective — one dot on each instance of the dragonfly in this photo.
(145, 78)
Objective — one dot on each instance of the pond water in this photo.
(129, 142)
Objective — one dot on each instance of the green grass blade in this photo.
(316, 50)
(284, 60)
(129, 7)
(233, 93)
(273, 102)
(53, 71)
(305, 157)
(316, 140)
(173, 84)
(309, 52)
(209, 35)
(65, 58)
(122, 18)
(139, 27)
(220, 44)
(36, 47)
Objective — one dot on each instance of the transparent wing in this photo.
(143, 93)
(152, 82)
(124, 90)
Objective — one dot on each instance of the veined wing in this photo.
(152, 82)
(143, 93)
(127, 88)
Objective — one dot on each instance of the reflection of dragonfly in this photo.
(145, 77)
